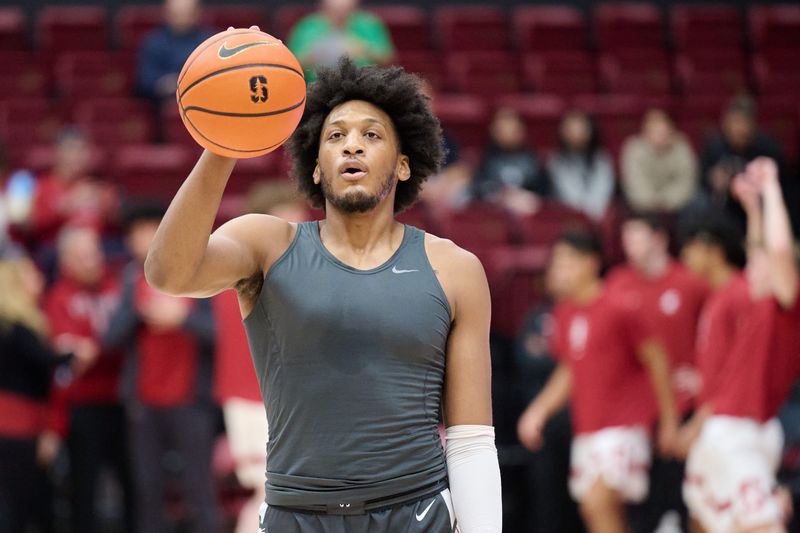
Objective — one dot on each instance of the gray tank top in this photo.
(351, 367)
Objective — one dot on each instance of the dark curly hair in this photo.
(393, 90)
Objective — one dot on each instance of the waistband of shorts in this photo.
(351, 507)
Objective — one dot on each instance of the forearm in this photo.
(779, 244)
(659, 374)
(474, 474)
(182, 237)
(555, 394)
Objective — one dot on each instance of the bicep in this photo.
(235, 251)
(468, 375)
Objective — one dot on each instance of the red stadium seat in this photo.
(629, 26)
(484, 73)
(25, 75)
(564, 73)
(645, 72)
(478, 227)
(698, 118)
(42, 157)
(706, 26)
(253, 170)
(516, 278)
(465, 117)
(68, 28)
(116, 121)
(27, 122)
(775, 27)
(287, 16)
(541, 113)
(172, 129)
(238, 16)
(550, 28)
(417, 215)
(721, 72)
(407, 24)
(152, 170)
(428, 65)
(618, 117)
(13, 29)
(471, 28)
(84, 75)
(776, 73)
(545, 226)
(133, 23)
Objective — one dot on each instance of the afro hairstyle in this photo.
(399, 94)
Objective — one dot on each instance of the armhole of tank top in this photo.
(436, 281)
(280, 259)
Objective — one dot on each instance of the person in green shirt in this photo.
(339, 29)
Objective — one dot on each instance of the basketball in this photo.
(241, 93)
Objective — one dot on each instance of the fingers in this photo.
(254, 27)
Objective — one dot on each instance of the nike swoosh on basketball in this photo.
(398, 271)
(421, 517)
(227, 53)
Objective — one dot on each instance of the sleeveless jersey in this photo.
(351, 366)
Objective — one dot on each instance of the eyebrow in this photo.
(342, 122)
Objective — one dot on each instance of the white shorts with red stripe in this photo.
(730, 474)
(620, 455)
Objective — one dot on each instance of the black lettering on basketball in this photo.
(258, 89)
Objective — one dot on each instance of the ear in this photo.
(317, 174)
(403, 169)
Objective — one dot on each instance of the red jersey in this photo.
(599, 342)
(763, 361)
(671, 306)
(75, 310)
(234, 374)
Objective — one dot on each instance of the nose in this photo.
(353, 144)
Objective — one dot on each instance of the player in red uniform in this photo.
(668, 298)
(618, 378)
(749, 360)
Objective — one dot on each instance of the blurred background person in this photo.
(167, 387)
(553, 511)
(510, 174)
(669, 298)
(68, 193)
(87, 408)
(748, 346)
(726, 154)
(581, 172)
(164, 51)
(26, 368)
(617, 377)
(659, 167)
(339, 28)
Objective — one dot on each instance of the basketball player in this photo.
(618, 378)
(669, 298)
(730, 472)
(359, 327)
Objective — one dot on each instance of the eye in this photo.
(335, 135)
(372, 135)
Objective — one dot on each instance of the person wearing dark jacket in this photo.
(27, 363)
(166, 387)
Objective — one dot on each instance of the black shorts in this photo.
(428, 515)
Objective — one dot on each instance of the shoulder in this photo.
(459, 271)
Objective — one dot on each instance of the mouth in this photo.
(353, 170)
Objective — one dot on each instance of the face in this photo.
(758, 273)
(140, 235)
(508, 130)
(73, 156)
(359, 161)
(575, 131)
(81, 256)
(339, 8)
(640, 242)
(182, 15)
(570, 270)
(658, 131)
(738, 129)
(696, 255)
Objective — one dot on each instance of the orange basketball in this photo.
(241, 93)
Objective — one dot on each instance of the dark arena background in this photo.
(88, 135)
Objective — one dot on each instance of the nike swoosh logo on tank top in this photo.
(399, 271)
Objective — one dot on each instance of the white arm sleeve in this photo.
(474, 478)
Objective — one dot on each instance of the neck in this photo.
(587, 293)
(720, 276)
(655, 266)
(359, 231)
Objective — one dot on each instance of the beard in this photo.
(355, 201)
